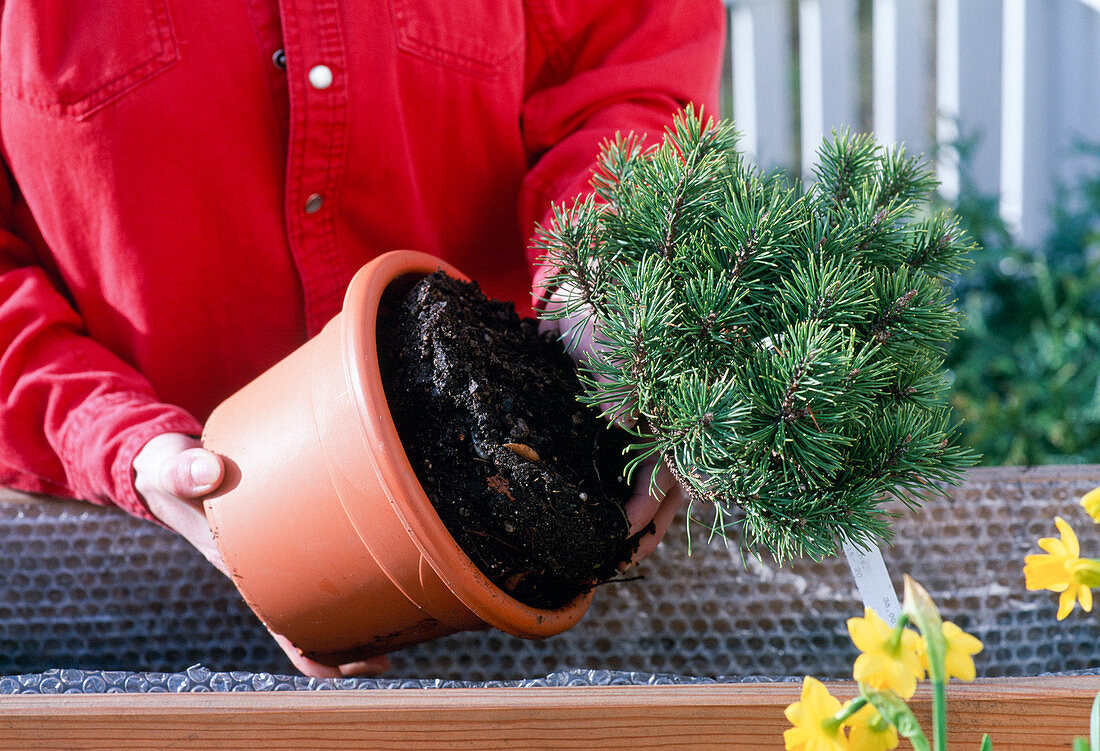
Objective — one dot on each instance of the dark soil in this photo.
(527, 480)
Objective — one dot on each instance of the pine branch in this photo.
(780, 343)
(882, 327)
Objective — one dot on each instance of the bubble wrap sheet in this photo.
(113, 603)
(198, 679)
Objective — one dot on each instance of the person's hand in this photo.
(172, 472)
(577, 332)
(657, 504)
(653, 503)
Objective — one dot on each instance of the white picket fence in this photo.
(1021, 75)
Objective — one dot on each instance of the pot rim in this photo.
(406, 496)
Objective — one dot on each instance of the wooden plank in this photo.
(902, 73)
(948, 82)
(7, 495)
(1027, 168)
(828, 63)
(724, 716)
(763, 96)
(1076, 69)
(968, 90)
(1059, 86)
(743, 66)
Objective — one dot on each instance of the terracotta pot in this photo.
(321, 521)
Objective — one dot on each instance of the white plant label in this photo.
(873, 581)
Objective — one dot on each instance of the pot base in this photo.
(322, 524)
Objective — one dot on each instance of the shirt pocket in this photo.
(71, 58)
(482, 38)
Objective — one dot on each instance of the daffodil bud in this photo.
(920, 608)
(922, 611)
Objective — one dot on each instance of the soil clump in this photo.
(527, 480)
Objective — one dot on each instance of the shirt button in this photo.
(320, 77)
(279, 59)
(313, 203)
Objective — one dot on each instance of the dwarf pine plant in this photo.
(781, 343)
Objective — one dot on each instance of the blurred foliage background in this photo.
(1026, 367)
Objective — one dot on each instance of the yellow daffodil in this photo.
(888, 660)
(1091, 503)
(813, 717)
(1062, 569)
(870, 732)
(959, 655)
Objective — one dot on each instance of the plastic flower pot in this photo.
(321, 521)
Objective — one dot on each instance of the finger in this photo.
(624, 415)
(192, 473)
(642, 505)
(314, 669)
(548, 326)
(306, 666)
(373, 666)
(188, 518)
(662, 520)
(577, 332)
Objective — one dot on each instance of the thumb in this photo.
(577, 332)
(192, 473)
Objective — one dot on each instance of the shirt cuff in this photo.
(566, 193)
(102, 437)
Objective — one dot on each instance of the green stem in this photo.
(894, 642)
(850, 709)
(939, 714)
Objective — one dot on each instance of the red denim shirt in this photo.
(188, 185)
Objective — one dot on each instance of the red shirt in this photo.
(189, 185)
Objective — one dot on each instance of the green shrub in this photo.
(780, 342)
(1026, 366)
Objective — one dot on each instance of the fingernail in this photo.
(204, 471)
